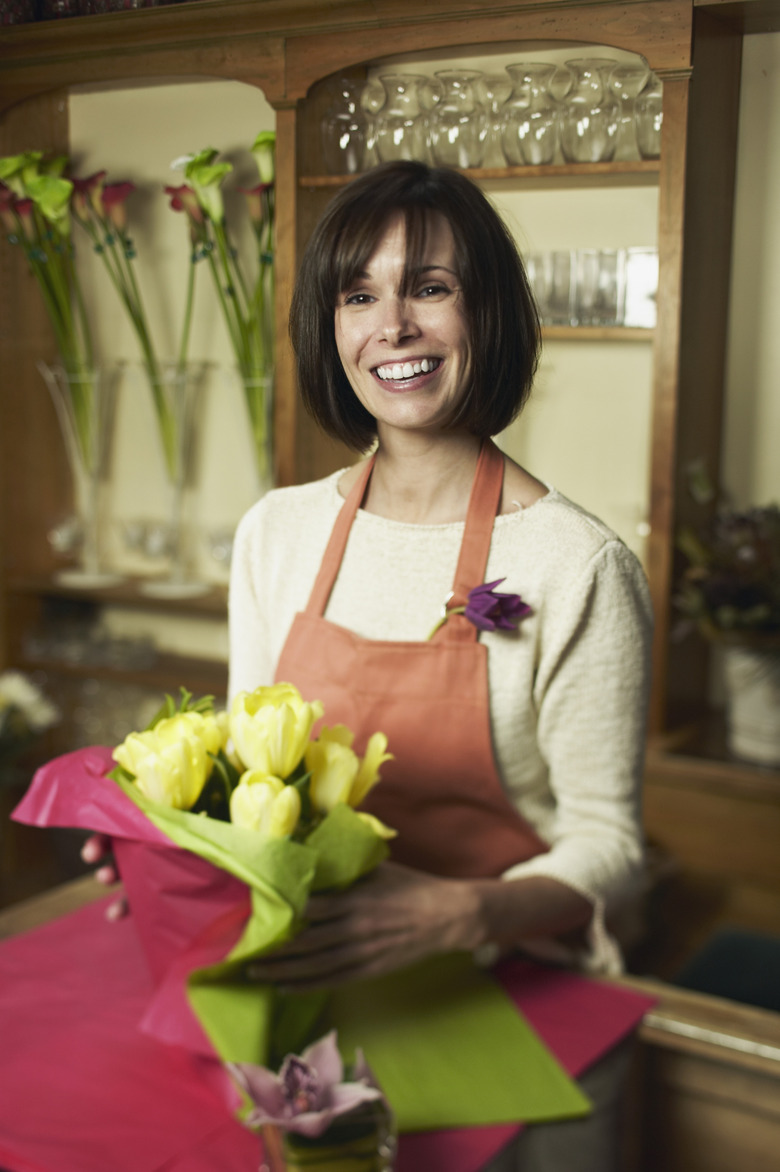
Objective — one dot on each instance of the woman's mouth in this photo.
(398, 371)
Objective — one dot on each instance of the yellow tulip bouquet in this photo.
(222, 824)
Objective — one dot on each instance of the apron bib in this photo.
(441, 792)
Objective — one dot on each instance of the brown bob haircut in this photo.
(502, 318)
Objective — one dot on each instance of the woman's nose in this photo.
(397, 321)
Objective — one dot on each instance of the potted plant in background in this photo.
(730, 591)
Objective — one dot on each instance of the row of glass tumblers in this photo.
(590, 110)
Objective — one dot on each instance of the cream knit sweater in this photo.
(568, 689)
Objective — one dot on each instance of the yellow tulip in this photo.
(270, 728)
(333, 767)
(264, 804)
(171, 762)
(368, 775)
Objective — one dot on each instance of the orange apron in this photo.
(442, 792)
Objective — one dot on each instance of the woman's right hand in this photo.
(97, 849)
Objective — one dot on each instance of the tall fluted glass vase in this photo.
(85, 402)
(257, 389)
(177, 391)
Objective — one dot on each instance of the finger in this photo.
(95, 848)
(107, 874)
(325, 969)
(117, 909)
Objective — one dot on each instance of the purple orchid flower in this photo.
(308, 1092)
(491, 610)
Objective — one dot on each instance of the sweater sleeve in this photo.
(590, 694)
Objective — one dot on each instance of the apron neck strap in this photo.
(334, 552)
(478, 532)
(475, 546)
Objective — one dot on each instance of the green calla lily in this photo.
(263, 149)
(17, 170)
(206, 177)
(51, 196)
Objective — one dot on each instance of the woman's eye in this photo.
(357, 299)
(432, 290)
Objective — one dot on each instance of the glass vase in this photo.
(649, 117)
(177, 391)
(531, 115)
(85, 402)
(344, 129)
(626, 83)
(493, 90)
(363, 1141)
(258, 392)
(589, 119)
(400, 126)
(459, 123)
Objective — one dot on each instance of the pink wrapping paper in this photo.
(82, 1089)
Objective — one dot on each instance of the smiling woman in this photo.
(516, 744)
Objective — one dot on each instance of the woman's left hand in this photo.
(389, 920)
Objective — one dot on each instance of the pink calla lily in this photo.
(308, 1093)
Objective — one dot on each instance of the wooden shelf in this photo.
(630, 170)
(165, 673)
(597, 334)
(127, 593)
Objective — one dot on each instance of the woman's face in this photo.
(407, 356)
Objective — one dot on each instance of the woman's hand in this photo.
(97, 849)
(389, 920)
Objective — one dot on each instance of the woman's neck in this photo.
(423, 480)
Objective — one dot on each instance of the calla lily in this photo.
(206, 176)
(114, 196)
(183, 199)
(24, 213)
(263, 148)
(257, 202)
(51, 195)
(308, 1092)
(17, 170)
(172, 762)
(270, 728)
(264, 804)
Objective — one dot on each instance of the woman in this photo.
(515, 783)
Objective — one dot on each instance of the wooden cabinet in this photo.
(287, 48)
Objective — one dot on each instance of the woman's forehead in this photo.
(419, 237)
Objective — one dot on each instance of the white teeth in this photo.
(402, 370)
